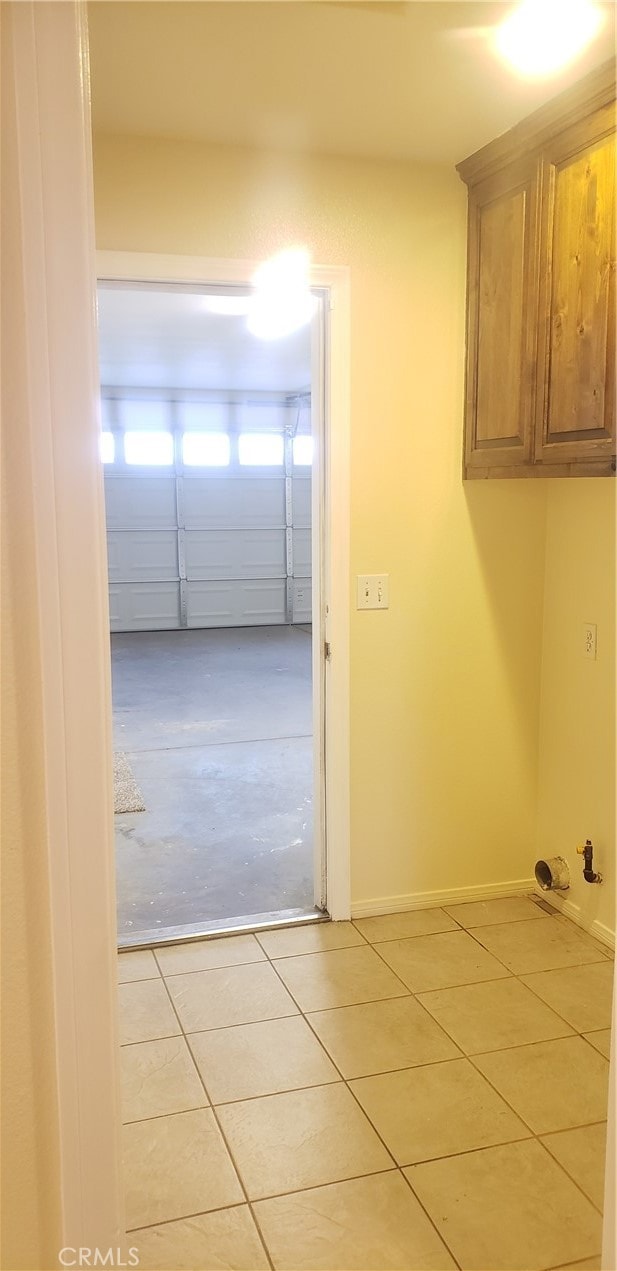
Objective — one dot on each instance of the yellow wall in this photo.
(577, 737)
(445, 685)
(30, 1199)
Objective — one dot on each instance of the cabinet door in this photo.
(501, 321)
(575, 415)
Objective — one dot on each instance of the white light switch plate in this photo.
(373, 591)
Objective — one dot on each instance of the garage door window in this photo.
(302, 451)
(205, 450)
(261, 450)
(149, 448)
(107, 447)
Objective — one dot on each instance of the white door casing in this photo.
(47, 64)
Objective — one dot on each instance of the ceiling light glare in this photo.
(541, 37)
(282, 302)
(229, 305)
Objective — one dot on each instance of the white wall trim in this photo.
(60, 422)
(337, 516)
(571, 910)
(334, 280)
(448, 896)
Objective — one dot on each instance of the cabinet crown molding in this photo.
(589, 94)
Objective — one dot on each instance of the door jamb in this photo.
(333, 281)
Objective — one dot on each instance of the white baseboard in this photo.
(449, 896)
(595, 928)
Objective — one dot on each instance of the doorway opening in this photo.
(211, 441)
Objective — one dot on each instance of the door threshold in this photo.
(220, 927)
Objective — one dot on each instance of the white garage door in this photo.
(208, 512)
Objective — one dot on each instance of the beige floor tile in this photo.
(208, 1242)
(314, 937)
(582, 995)
(526, 947)
(204, 955)
(483, 913)
(545, 1085)
(175, 1166)
(600, 945)
(229, 995)
(582, 1153)
(600, 1041)
(492, 1015)
(259, 1059)
(422, 1113)
(381, 1036)
(415, 922)
(507, 1208)
(137, 964)
(145, 1012)
(368, 1223)
(286, 1142)
(159, 1077)
(341, 977)
(440, 961)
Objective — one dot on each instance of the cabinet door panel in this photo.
(575, 418)
(500, 320)
(501, 330)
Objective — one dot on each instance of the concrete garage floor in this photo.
(217, 727)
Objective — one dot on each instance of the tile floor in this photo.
(416, 1091)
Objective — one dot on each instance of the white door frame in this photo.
(330, 339)
(55, 424)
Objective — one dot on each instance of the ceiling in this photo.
(152, 338)
(384, 79)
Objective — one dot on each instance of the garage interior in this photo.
(207, 454)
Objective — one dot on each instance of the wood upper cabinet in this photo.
(540, 387)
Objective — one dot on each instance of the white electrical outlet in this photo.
(373, 591)
(590, 638)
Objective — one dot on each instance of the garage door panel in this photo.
(239, 603)
(302, 553)
(216, 503)
(301, 502)
(144, 606)
(140, 503)
(302, 600)
(223, 554)
(142, 556)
